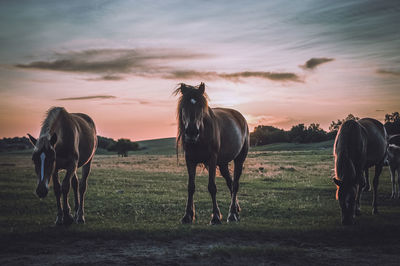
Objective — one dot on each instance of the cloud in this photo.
(236, 76)
(314, 62)
(388, 72)
(274, 76)
(91, 97)
(110, 61)
(107, 78)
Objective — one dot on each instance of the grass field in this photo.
(134, 206)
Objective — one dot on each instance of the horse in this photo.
(358, 146)
(66, 141)
(393, 156)
(212, 137)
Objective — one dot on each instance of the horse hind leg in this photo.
(75, 187)
(80, 219)
(393, 179)
(378, 170)
(224, 169)
(234, 207)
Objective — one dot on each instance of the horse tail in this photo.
(346, 149)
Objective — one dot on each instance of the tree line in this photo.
(301, 133)
(121, 146)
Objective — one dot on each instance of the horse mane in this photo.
(343, 144)
(193, 92)
(345, 149)
(51, 116)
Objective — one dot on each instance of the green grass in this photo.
(289, 213)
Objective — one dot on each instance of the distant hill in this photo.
(165, 146)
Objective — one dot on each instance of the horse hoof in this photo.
(374, 211)
(216, 220)
(358, 212)
(393, 196)
(80, 220)
(187, 219)
(366, 188)
(233, 217)
(59, 220)
(68, 219)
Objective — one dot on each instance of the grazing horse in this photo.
(394, 163)
(67, 141)
(213, 137)
(358, 146)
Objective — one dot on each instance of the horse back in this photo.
(233, 133)
(376, 140)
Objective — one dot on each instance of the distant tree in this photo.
(336, 125)
(122, 146)
(392, 117)
(16, 143)
(298, 133)
(105, 143)
(392, 123)
(303, 134)
(315, 134)
(263, 135)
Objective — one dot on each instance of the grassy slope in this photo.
(288, 209)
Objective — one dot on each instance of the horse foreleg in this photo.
(57, 193)
(367, 186)
(378, 170)
(82, 191)
(75, 185)
(189, 216)
(212, 188)
(66, 184)
(392, 177)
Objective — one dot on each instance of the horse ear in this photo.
(53, 139)
(337, 182)
(32, 140)
(184, 89)
(202, 87)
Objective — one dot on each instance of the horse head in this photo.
(44, 158)
(192, 108)
(346, 195)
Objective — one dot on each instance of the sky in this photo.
(279, 63)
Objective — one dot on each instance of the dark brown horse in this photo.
(359, 145)
(67, 141)
(213, 137)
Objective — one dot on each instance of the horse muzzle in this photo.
(191, 139)
(42, 191)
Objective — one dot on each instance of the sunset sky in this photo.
(119, 61)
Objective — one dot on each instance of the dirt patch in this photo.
(183, 252)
